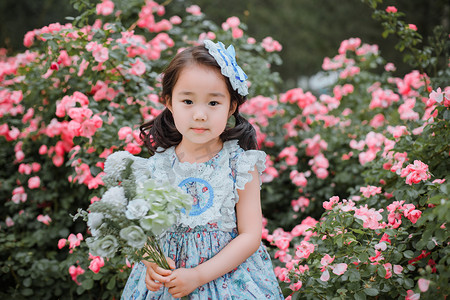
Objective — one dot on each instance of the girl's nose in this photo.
(200, 115)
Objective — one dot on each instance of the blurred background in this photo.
(308, 30)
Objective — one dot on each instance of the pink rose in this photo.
(44, 219)
(62, 243)
(340, 269)
(96, 264)
(105, 8)
(34, 182)
(423, 284)
(391, 9)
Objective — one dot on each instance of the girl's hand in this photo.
(183, 282)
(156, 276)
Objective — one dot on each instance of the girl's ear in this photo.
(169, 104)
(233, 107)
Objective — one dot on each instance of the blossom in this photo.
(423, 284)
(74, 240)
(34, 182)
(74, 272)
(339, 269)
(137, 68)
(115, 196)
(436, 96)
(410, 295)
(9, 222)
(137, 209)
(398, 269)
(370, 191)
(106, 7)
(62, 243)
(391, 9)
(412, 27)
(326, 260)
(194, 10)
(296, 286)
(271, 45)
(99, 52)
(44, 219)
(96, 264)
(298, 178)
(115, 164)
(416, 172)
(329, 204)
(389, 67)
(304, 249)
(105, 246)
(290, 154)
(94, 221)
(282, 243)
(325, 275)
(134, 235)
(370, 217)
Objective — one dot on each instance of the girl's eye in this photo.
(213, 103)
(187, 101)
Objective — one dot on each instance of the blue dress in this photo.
(209, 226)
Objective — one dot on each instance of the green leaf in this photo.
(412, 194)
(27, 292)
(360, 296)
(353, 275)
(408, 254)
(112, 283)
(87, 283)
(381, 271)
(371, 291)
(431, 245)
(447, 114)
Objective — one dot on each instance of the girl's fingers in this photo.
(171, 263)
(151, 284)
(162, 271)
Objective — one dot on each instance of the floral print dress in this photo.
(209, 226)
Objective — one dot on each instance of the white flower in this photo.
(137, 209)
(94, 220)
(134, 235)
(115, 196)
(104, 247)
(116, 163)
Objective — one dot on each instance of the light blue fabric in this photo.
(190, 246)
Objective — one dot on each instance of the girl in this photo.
(214, 249)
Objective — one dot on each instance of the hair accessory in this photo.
(226, 58)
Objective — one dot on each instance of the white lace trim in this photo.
(246, 163)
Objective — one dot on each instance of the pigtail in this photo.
(243, 131)
(160, 132)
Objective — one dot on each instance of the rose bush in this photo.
(356, 186)
(78, 94)
(374, 154)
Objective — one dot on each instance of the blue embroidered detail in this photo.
(189, 185)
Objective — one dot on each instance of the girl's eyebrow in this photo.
(213, 94)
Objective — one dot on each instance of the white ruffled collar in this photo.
(170, 155)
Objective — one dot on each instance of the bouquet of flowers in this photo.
(132, 212)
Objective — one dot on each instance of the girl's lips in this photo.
(199, 130)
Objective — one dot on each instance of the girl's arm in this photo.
(249, 225)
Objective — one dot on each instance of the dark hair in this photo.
(161, 131)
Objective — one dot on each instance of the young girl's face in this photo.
(200, 105)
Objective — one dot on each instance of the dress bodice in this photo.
(213, 184)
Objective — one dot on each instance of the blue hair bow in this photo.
(226, 58)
